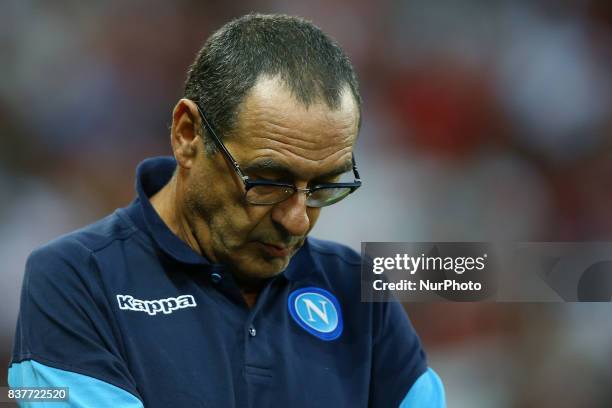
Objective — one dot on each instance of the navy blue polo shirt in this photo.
(125, 313)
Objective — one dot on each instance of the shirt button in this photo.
(215, 277)
(252, 331)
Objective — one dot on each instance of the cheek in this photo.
(313, 216)
(218, 202)
(231, 221)
(258, 218)
(211, 190)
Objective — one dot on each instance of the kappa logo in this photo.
(317, 311)
(152, 307)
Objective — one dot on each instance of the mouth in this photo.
(274, 250)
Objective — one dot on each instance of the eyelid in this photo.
(327, 180)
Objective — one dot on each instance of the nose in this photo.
(291, 214)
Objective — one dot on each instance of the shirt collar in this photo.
(154, 173)
(151, 175)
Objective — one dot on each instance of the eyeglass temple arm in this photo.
(357, 177)
(221, 146)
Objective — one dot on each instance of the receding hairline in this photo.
(235, 58)
(276, 83)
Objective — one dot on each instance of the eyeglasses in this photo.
(268, 192)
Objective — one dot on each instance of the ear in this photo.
(185, 133)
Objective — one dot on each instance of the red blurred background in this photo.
(483, 121)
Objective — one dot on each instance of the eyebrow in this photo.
(272, 166)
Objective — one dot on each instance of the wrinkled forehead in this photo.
(276, 129)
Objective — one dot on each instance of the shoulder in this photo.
(75, 249)
(334, 252)
(337, 264)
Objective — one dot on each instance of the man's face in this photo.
(276, 138)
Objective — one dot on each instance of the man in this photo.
(205, 291)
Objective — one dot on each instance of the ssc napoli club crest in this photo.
(317, 311)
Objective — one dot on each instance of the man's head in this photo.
(284, 100)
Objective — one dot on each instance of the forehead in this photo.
(276, 129)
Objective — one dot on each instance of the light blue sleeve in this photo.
(83, 391)
(426, 392)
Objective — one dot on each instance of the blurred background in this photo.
(483, 121)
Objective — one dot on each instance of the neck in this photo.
(166, 203)
(250, 288)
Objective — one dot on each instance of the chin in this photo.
(256, 262)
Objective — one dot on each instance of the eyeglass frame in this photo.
(249, 184)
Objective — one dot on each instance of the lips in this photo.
(275, 250)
